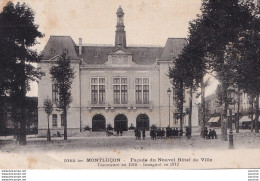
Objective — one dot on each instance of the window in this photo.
(142, 90)
(138, 94)
(54, 120)
(55, 92)
(120, 90)
(117, 94)
(98, 90)
(62, 118)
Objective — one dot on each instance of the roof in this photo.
(95, 54)
(56, 45)
(145, 55)
(141, 55)
(173, 48)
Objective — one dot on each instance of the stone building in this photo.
(119, 85)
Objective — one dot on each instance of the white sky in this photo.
(147, 22)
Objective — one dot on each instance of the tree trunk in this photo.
(257, 113)
(224, 121)
(238, 111)
(190, 111)
(203, 112)
(22, 140)
(65, 123)
(252, 113)
(48, 132)
(181, 107)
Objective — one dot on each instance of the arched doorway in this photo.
(121, 122)
(98, 123)
(142, 122)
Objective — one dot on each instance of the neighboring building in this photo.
(31, 113)
(214, 109)
(118, 85)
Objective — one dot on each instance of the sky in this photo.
(147, 22)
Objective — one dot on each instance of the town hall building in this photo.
(120, 85)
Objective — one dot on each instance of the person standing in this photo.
(136, 134)
(139, 134)
(143, 134)
(205, 136)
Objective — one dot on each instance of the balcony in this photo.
(143, 104)
(97, 104)
(120, 103)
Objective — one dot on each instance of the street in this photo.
(99, 141)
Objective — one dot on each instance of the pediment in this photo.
(120, 51)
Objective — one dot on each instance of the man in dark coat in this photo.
(139, 134)
(143, 134)
(210, 134)
(136, 134)
(205, 135)
(214, 134)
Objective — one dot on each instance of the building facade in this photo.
(118, 85)
(246, 112)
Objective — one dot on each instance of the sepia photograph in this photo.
(129, 84)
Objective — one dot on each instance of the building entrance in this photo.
(98, 123)
(121, 123)
(142, 122)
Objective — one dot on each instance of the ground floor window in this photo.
(54, 120)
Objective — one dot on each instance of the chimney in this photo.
(80, 46)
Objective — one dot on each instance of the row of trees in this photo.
(18, 34)
(224, 39)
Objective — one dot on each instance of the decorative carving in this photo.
(119, 59)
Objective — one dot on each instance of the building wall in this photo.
(82, 111)
(45, 91)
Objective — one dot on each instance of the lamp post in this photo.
(169, 94)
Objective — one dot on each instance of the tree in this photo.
(48, 107)
(17, 34)
(62, 76)
(176, 74)
(189, 69)
(221, 22)
(248, 64)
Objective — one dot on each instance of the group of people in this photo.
(209, 134)
(138, 134)
(160, 133)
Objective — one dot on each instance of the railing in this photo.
(128, 104)
(143, 104)
(98, 104)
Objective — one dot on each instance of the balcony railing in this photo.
(98, 104)
(143, 104)
(120, 102)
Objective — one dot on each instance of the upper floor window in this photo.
(120, 90)
(142, 90)
(55, 92)
(98, 90)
